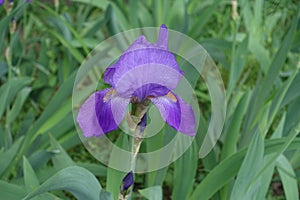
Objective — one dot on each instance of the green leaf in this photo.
(67, 25)
(59, 98)
(104, 195)
(293, 91)
(96, 169)
(79, 181)
(100, 4)
(267, 176)
(76, 54)
(232, 133)
(20, 99)
(57, 117)
(177, 16)
(216, 179)
(30, 178)
(265, 88)
(288, 178)
(11, 191)
(251, 165)
(118, 20)
(9, 90)
(289, 139)
(153, 143)
(39, 158)
(133, 10)
(7, 156)
(115, 177)
(61, 159)
(279, 59)
(203, 19)
(156, 142)
(152, 193)
(278, 99)
(158, 13)
(237, 66)
(185, 169)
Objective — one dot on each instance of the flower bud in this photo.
(13, 25)
(235, 14)
(127, 182)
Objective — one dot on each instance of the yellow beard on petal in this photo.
(172, 97)
(109, 94)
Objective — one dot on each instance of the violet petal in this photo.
(156, 76)
(102, 112)
(127, 181)
(176, 112)
(142, 52)
(150, 90)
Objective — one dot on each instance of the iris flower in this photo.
(144, 72)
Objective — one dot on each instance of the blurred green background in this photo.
(255, 45)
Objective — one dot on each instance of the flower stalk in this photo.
(138, 117)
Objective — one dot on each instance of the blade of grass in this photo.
(185, 169)
(73, 31)
(77, 55)
(7, 157)
(232, 133)
(152, 193)
(60, 159)
(266, 86)
(11, 191)
(115, 177)
(9, 90)
(251, 164)
(61, 95)
(17, 106)
(216, 179)
(288, 178)
(100, 4)
(290, 138)
(79, 181)
(30, 178)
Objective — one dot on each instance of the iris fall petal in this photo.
(176, 112)
(102, 112)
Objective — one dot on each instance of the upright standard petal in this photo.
(102, 112)
(163, 37)
(148, 80)
(177, 113)
(142, 52)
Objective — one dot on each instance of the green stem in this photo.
(135, 120)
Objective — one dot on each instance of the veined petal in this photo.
(101, 113)
(149, 90)
(152, 79)
(142, 52)
(163, 37)
(176, 112)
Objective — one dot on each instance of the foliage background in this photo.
(256, 48)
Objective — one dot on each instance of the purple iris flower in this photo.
(144, 72)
